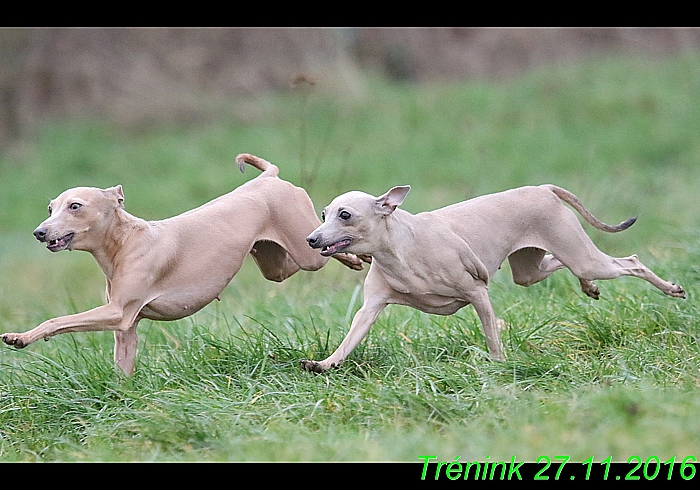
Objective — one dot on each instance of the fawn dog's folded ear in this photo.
(117, 193)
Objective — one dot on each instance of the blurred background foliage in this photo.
(140, 77)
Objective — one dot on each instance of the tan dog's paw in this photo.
(315, 367)
(311, 366)
(350, 260)
(590, 289)
(677, 291)
(13, 339)
(365, 258)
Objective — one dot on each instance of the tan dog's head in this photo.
(78, 217)
(352, 221)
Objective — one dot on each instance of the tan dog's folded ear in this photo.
(118, 194)
(387, 203)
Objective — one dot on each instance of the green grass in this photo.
(615, 377)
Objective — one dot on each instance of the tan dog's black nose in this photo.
(40, 234)
(312, 241)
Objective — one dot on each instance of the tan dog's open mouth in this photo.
(60, 243)
(336, 247)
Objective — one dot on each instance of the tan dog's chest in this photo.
(419, 292)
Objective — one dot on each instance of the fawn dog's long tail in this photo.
(575, 203)
(267, 169)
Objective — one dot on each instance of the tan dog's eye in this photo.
(344, 215)
(49, 210)
(75, 206)
(323, 216)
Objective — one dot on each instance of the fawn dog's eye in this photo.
(49, 210)
(344, 215)
(323, 216)
(75, 206)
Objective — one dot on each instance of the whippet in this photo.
(442, 260)
(169, 269)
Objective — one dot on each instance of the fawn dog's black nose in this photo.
(40, 234)
(312, 240)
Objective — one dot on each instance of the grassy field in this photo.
(615, 377)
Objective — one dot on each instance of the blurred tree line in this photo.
(136, 76)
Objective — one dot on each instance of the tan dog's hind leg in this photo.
(294, 221)
(274, 262)
(631, 266)
(578, 253)
(570, 244)
(482, 304)
(572, 248)
(603, 266)
(532, 265)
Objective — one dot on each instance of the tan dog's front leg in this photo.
(361, 323)
(107, 317)
(482, 304)
(125, 345)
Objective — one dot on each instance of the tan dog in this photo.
(169, 269)
(442, 260)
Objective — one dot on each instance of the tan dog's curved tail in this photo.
(575, 203)
(267, 168)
